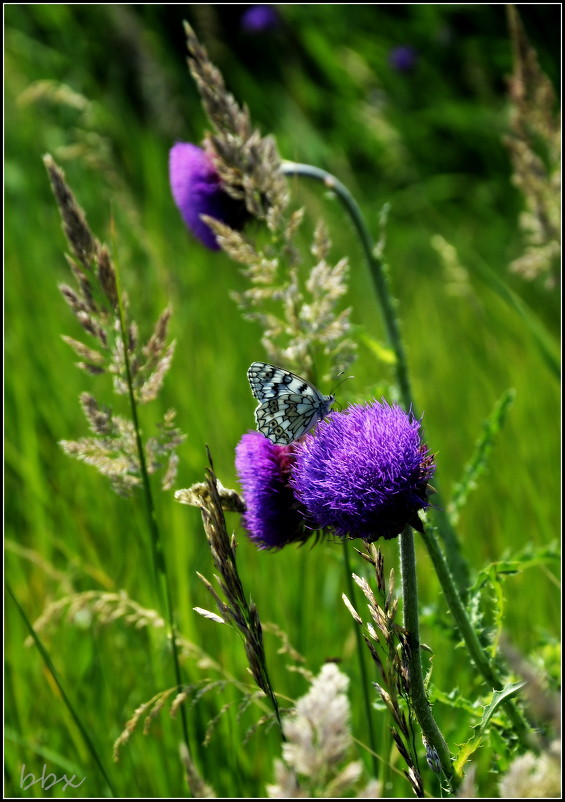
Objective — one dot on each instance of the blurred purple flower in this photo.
(197, 190)
(260, 18)
(272, 515)
(403, 58)
(364, 473)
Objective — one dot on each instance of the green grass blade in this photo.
(69, 705)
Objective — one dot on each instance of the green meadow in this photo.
(106, 91)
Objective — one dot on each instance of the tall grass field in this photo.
(383, 200)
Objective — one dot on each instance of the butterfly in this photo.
(288, 405)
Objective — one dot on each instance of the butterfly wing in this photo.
(286, 418)
(270, 381)
(288, 405)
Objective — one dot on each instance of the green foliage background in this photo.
(429, 143)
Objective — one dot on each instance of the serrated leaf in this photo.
(478, 462)
(498, 697)
(454, 699)
(464, 754)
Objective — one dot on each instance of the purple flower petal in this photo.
(364, 472)
(197, 190)
(403, 58)
(272, 516)
(260, 18)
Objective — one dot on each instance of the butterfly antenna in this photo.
(341, 382)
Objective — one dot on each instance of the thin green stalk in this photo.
(387, 303)
(68, 704)
(362, 663)
(387, 745)
(376, 267)
(418, 695)
(159, 561)
(478, 654)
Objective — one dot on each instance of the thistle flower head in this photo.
(272, 517)
(403, 58)
(197, 190)
(259, 18)
(364, 473)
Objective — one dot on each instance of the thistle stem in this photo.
(159, 561)
(362, 663)
(478, 654)
(376, 267)
(418, 695)
(381, 281)
(453, 572)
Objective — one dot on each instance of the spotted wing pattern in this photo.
(288, 405)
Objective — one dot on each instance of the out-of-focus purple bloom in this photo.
(197, 190)
(403, 58)
(364, 472)
(272, 515)
(260, 18)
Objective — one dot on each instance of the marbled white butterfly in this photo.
(288, 405)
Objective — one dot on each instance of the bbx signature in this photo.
(47, 781)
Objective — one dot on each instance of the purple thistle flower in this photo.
(197, 190)
(272, 515)
(403, 58)
(259, 18)
(364, 473)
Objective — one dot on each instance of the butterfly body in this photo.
(288, 405)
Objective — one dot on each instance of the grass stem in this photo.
(159, 560)
(362, 663)
(56, 679)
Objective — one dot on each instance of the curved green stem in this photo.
(376, 266)
(457, 570)
(387, 303)
(362, 663)
(418, 695)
